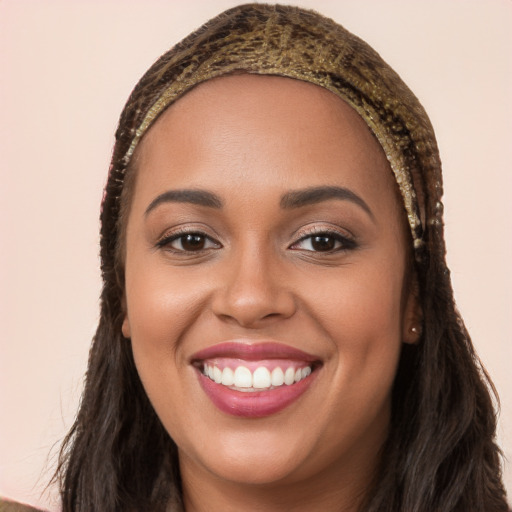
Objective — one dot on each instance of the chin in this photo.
(256, 458)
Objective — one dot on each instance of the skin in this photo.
(250, 140)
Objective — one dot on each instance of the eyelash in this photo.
(166, 241)
(344, 242)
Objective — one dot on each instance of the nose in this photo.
(253, 291)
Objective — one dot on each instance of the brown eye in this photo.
(323, 243)
(192, 242)
(188, 242)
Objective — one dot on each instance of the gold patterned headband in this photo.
(294, 43)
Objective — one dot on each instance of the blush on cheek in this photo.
(158, 305)
(356, 309)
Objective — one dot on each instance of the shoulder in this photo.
(12, 506)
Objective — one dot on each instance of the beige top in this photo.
(11, 506)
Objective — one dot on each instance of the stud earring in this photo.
(415, 329)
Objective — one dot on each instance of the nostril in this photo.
(272, 315)
(253, 307)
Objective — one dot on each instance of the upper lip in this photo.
(253, 351)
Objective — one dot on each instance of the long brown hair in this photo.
(441, 453)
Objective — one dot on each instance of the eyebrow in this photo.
(199, 197)
(314, 195)
(290, 200)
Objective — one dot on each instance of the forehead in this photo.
(233, 119)
(250, 138)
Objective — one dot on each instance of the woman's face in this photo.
(266, 245)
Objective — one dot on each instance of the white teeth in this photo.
(243, 377)
(305, 372)
(261, 378)
(289, 376)
(277, 377)
(217, 375)
(228, 377)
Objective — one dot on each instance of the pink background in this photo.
(67, 68)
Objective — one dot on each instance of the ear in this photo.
(125, 328)
(412, 327)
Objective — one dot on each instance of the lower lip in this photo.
(254, 404)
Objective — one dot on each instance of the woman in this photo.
(278, 329)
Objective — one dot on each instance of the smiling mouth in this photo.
(256, 376)
(254, 380)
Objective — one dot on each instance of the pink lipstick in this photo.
(254, 380)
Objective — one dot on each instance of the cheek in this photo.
(360, 311)
(162, 308)
(355, 301)
(161, 304)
